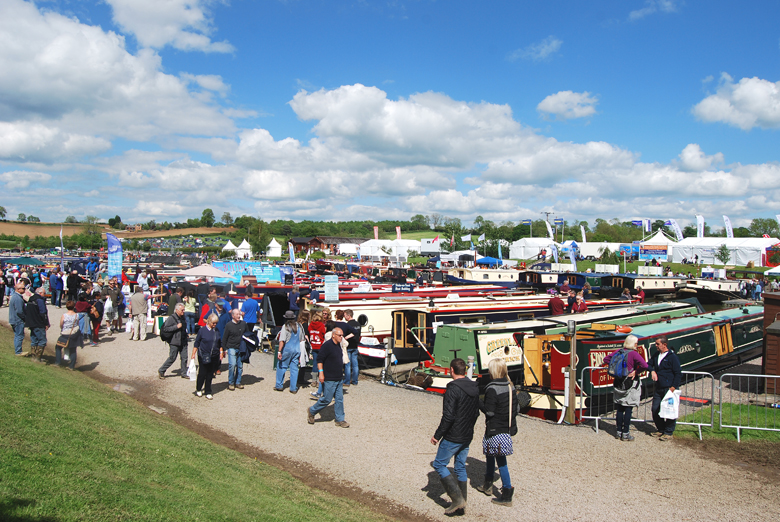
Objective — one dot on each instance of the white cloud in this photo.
(567, 105)
(752, 102)
(210, 82)
(182, 24)
(538, 51)
(26, 141)
(22, 179)
(692, 158)
(159, 208)
(654, 6)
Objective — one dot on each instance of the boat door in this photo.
(723, 342)
(406, 322)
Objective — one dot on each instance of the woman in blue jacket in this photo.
(209, 351)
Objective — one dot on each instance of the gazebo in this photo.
(244, 250)
(274, 249)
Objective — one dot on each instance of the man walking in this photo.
(56, 287)
(231, 341)
(330, 368)
(665, 371)
(139, 308)
(174, 329)
(17, 316)
(37, 320)
(460, 410)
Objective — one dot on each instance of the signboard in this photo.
(657, 252)
(494, 345)
(331, 288)
(262, 271)
(406, 287)
(114, 256)
(608, 269)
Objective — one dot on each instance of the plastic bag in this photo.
(192, 370)
(129, 327)
(670, 405)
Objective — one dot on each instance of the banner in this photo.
(554, 249)
(114, 257)
(466, 238)
(699, 225)
(376, 233)
(499, 250)
(573, 258)
(398, 232)
(549, 231)
(648, 225)
(729, 230)
(638, 222)
(558, 221)
(582, 229)
(452, 241)
(657, 252)
(676, 228)
(292, 252)
(62, 251)
(525, 222)
(481, 238)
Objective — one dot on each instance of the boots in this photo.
(36, 352)
(464, 490)
(486, 487)
(452, 488)
(506, 497)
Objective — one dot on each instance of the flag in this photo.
(582, 229)
(358, 253)
(376, 233)
(481, 238)
(729, 230)
(699, 225)
(648, 225)
(62, 252)
(398, 232)
(676, 228)
(766, 236)
(637, 222)
(466, 238)
(452, 241)
(499, 249)
(472, 245)
(558, 221)
(525, 222)
(549, 229)
(292, 251)
(554, 250)
(114, 256)
(435, 239)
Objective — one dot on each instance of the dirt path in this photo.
(560, 472)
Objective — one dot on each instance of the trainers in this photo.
(315, 394)
(627, 437)
(199, 393)
(231, 387)
(309, 416)
(160, 375)
(342, 424)
(666, 437)
(184, 376)
(209, 396)
(240, 386)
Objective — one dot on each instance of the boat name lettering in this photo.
(754, 329)
(686, 348)
(499, 344)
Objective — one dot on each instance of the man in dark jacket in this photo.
(665, 370)
(231, 342)
(37, 320)
(175, 329)
(460, 410)
(330, 368)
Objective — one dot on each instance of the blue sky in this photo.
(156, 109)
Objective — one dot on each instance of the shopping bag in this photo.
(192, 371)
(670, 405)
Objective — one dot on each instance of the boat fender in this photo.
(623, 329)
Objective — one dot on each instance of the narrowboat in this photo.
(709, 291)
(612, 285)
(509, 278)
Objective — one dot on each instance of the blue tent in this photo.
(489, 261)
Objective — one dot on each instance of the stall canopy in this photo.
(529, 247)
(489, 261)
(244, 251)
(229, 246)
(203, 271)
(274, 249)
(742, 250)
(28, 261)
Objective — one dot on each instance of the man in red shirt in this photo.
(640, 294)
(556, 305)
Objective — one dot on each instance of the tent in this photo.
(229, 246)
(377, 248)
(741, 249)
(773, 271)
(244, 251)
(658, 247)
(489, 261)
(274, 249)
(28, 261)
(529, 247)
(203, 271)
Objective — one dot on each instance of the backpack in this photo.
(618, 365)
(165, 337)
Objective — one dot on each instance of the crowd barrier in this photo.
(749, 402)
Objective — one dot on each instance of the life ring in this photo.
(623, 329)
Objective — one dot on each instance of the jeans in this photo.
(331, 390)
(447, 450)
(18, 337)
(665, 426)
(56, 298)
(235, 366)
(71, 351)
(290, 359)
(503, 469)
(351, 368)
(315, 376)
(623, 417)
(191, 319)
(37, 336)
(175, 351)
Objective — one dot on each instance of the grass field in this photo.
(748, 415)
(73, 449)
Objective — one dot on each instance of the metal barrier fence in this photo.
(749, 402)
(697, 403)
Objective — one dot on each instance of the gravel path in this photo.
(560, 472)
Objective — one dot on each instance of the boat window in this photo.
(523, 317)
(471, 319)
(484, 276)
(362, 319)
(572, 280)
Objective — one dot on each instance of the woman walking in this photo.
(500, 409)
(289, 352)
(209, 351)
(626, 390)
(70, 336)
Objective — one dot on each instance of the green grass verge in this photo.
(73, 449)
(748, 415)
